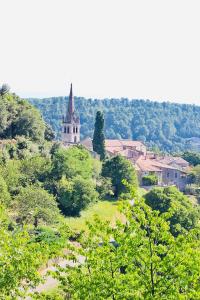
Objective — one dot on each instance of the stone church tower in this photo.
(71, 123)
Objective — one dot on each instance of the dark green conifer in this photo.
(98, 137)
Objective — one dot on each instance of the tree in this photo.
(136, 259)
(104, 187)
(35, 169)
(4, 89)
(29, 123)
(34, 204)
(49, 134)
(194, 176)
(72, 162)
(3, 115)
(119, 169)
(13, 176)
(19, 117)
(4, 194)
(19, 263)
(19, 260)
(75, 195)
(98, 137)
(181, 213)
(192, 157)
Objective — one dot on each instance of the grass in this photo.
(105, 210)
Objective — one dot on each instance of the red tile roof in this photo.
(121, 143)
(152, 165)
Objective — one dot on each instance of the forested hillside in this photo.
(171, 127)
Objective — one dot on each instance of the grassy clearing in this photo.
(105, 210)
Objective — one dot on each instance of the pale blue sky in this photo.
(108, 48)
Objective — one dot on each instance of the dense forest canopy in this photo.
(168, 126)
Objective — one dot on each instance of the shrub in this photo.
(151, 179)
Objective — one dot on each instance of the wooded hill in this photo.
(167, 126)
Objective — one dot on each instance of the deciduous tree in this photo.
(118, 169)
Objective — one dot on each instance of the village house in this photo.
(168, 169)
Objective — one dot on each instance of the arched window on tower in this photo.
(76, 129)
(68, 129)
(65, 130)
(73, 129)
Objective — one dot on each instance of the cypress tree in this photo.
(98, 137)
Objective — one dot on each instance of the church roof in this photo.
(71, 102)
(71, 116)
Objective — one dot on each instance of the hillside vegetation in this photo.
(167, 126)
(148, 248)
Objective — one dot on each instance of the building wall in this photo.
(174, 177)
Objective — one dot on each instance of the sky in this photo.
(137, 49)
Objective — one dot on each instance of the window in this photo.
(73, 129)
(65, 129)
(76, 129)
(176, 175)
(68, 129)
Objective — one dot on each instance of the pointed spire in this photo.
(71, 102)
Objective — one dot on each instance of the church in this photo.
(71, 123)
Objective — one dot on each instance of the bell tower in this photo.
(71, 123)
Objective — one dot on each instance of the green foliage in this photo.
(150, 179)
(34, 204)
(178, 208)
(13, 176)
(104, 187)
(75, 195)
(168, 126)
(29, 123)
(54, 294)
(19, 118)
(36, 168)
(119, 169)
(192, 157)
(19, 262)
(137, 259)
(72, 162)
(22, 254)
(49, 134)
(54, 239)
(4, 89)
(98, 137)
(4, 194)
(195, 175)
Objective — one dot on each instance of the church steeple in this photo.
(71, 123)
(71, 101)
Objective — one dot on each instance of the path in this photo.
(50, 282)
